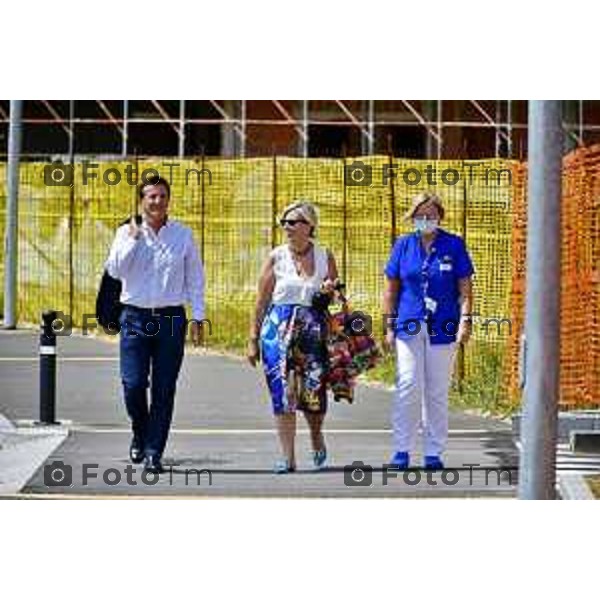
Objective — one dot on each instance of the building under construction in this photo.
(306, 128)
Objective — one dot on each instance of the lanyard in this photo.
(429, 305)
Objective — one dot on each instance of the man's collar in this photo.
(166, 222)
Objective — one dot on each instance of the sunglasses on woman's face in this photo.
(292, 222)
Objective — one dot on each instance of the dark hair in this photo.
(155, 180)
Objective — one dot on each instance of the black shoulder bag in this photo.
(108, 303)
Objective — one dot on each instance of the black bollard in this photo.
(48, 370)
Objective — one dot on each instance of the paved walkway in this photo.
(223, 425)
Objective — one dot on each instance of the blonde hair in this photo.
(306, 210)
(421, 199)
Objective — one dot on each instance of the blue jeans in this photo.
(158, 342)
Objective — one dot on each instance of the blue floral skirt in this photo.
(294, 355)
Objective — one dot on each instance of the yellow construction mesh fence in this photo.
(233, 207)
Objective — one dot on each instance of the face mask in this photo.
(424, 225)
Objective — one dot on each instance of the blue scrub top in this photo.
(434, 276)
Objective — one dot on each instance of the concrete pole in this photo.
(228, 133)
(181, 133)
(509, 129)
(125, 129)
(367, 134)
(304, 139)
(71, 130)
(242, 131)
(429, 110)
(12, 216)
(542, 306)
(498, 131)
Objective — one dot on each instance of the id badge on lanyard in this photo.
(430, 303)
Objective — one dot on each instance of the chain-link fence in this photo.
(233, 206)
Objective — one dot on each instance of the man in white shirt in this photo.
(160, 270)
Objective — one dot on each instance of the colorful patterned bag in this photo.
(350, 352)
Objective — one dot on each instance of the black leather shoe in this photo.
(152, 464)
(136, 451)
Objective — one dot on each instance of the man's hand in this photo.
(134, 229)
(197, 333)
(253, 352)
(464, 332)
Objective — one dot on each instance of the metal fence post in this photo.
(461, 363)
(394, 226)
(71, 206)
(345, 225)
(274, 204)
(12, 216)
(202, 208)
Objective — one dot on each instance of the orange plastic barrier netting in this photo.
(580, 281)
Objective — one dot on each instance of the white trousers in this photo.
(423, 372)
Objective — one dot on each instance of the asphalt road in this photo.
(223, 426)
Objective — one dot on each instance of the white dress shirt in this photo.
(158, 269)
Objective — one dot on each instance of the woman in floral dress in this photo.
(290, 335)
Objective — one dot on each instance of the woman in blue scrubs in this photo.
(428, 301)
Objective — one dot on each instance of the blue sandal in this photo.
(319, 457)
(283, 466)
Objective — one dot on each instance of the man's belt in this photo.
(160, 311)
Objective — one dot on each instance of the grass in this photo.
(482, 387)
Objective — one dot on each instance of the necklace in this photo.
(298, 260)
(301, 253)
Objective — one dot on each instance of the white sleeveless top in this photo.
(291, 288)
